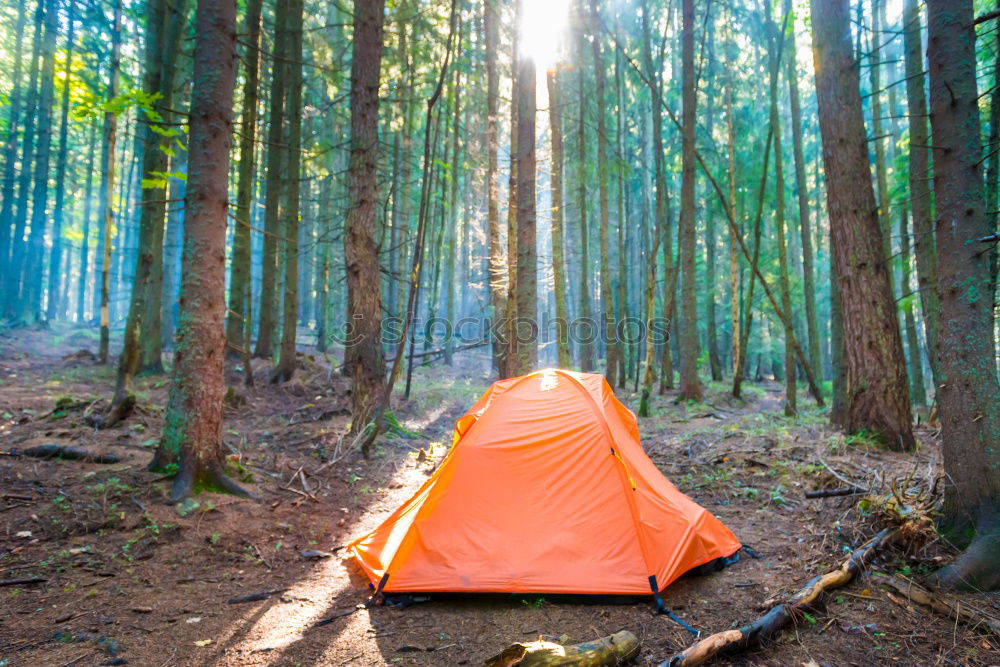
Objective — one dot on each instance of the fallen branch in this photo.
(22, 582)
(833, 493)
(612, 650)
(955, 611)
(782, 614)
(65, 453)
(255, 597)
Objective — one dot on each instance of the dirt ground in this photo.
(129, 579)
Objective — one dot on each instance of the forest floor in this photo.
(127, 576)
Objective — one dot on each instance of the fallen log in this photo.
(965, 615)
(612, 650)
(22, 582)
(784, 613)
(833, 493)
(65, 453)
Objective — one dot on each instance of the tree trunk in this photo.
(968, 393)
(192, 426)
(276, 164)
(151, 343)
(558, 252)
(290, 212)
(779, 220)
(690, 388)
(805, 225)
(31, 281)
(497, 271)
(875, 46)
(361, 254)
(108, 182)
(607, 298)
(925, 249)
(525, 332)
(873, 349)
(10, 156)
(239, 278)
(452, 246)
(587, 331)
(88, 190)
(661, 225)
(13, 289)
(54, 305)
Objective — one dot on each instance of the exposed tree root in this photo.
(212, 476)
(606, 651)
(122, 407)
(955, 611)
(977, 568)
(781, 615)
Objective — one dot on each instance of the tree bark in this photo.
(607, 298)
(805, 225)
(239, 278)
(558, 251)
(779, 219)
(690, 386)
(108, 182)
(31, 282)
(10, 155)
(361, 254)
(526, 329)
(587, 331)
(18, 249)
(290, 212)
(497, 272)
(276, 164)
(88, 190)
(968, 392)
(54, 304)
(925, 249)
(876, 373)
(193, 422)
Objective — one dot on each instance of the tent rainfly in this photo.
(546, 489)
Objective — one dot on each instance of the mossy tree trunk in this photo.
(558, 248)
(192, 431)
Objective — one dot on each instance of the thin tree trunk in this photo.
(276, 164)
(361, 254)
(236, 319)
(88, 191)
(55, 301)
(10, 154)
(31, 282)
(558, 250)
(779, 218)
(525, 341)
(805, 225)
(920, 186)
(876, 372)
(192, 428)
(18, 249)
(690, 387)
(878, 131)
(456, 173)
(968, 393)
(290, 212)
(108, 182)
(588, 331)
(607, 298)
(497, 272)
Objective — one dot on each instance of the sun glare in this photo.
(544, 26)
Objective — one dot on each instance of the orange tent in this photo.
(546, 489)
